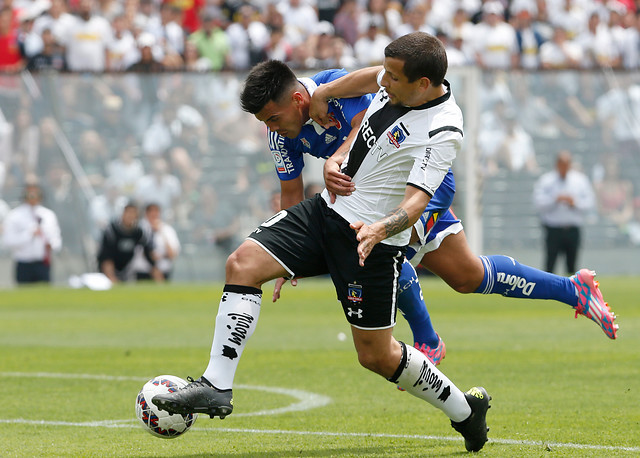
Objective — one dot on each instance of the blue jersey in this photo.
(313, 138)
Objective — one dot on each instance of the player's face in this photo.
(399, 89)
(285, 118)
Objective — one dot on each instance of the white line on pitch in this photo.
(306, 399)
(133, 424)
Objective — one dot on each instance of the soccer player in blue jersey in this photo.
(439, 243)
(292, 134)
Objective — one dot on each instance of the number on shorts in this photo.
(274, 219)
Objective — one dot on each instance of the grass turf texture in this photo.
(559, 386)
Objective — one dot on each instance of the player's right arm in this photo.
(354, 84)
(336, 182)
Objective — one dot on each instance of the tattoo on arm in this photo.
(396, 221)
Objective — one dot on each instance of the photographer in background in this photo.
(119, 243)
(32, 233)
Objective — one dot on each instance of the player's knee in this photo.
(464, 287)
(375, 363)
(237, 265)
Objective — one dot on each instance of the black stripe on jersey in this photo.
(445, 128)
(377, 124)
(420, 188)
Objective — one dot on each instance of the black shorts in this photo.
(310, 239)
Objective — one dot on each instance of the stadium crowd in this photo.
(214, 35)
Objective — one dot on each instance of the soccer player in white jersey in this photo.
(405, 145)
(439, 243)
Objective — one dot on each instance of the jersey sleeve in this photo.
(352, 106)
(287, 159)
(431, 166)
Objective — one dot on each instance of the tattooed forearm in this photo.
(396, 221)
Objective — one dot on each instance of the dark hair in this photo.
(423, 55)
(268, 81)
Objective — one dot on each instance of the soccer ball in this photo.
(158, 422)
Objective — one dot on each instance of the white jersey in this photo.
(398, 146)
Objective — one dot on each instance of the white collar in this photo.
(311, 86)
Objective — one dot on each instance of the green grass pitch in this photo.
(73, 361)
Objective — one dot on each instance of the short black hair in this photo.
(268, 81)
(423, 55)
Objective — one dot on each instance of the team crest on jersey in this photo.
(354, 293)
(397, 135)
(333, 118)
(306, 143)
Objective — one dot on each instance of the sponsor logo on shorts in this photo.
(351, 312)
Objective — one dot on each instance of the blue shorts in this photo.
(436, 222)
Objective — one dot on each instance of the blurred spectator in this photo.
(327, 9)
(159, 187)
(529, 39)
(559, 52)
(618, 114)
(29, 40)
(193, 61)
(56, 19)
(211, 40)
(631, 41)
(104, 208)
(50, 58)
(215, 222)
(279, 47)
(94, 156)
(369, 49)
(598, 47)
(32, 233)
(346, 21)
(614, 193)
(248, 39)
(119, 242)
(415, 20)
(124, 172)
(383, 14)
(300, 20)
(516, 151)
(563, 197)
(123, 49)
(109, 9)
(189, 12)
(10, 56)
(494, 39)
(168, 35)
(86, 40)
(456, 57)
(147, 62)
(166, 246)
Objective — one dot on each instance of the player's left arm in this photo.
(397, 220)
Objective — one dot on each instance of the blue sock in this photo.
(504, 275)
(412, 306)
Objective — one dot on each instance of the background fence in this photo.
(96, 141)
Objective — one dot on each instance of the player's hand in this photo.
(336, 182)
(367, 238)
(319, 109)
(278, 287)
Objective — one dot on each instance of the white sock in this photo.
(238, 314)
(418, 376)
